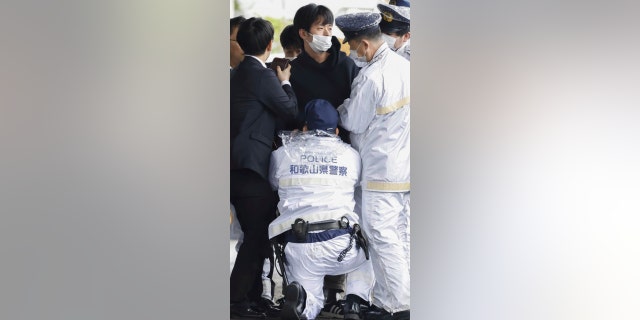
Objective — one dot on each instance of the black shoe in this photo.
(376, 313)
(352, 307)
(267, 307)
(243, 310)
(402, 315)
(295, 299)
(334, 310)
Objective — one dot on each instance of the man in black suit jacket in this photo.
(258, 97)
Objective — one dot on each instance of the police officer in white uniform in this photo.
(395, 27)
(377, 114)
(315, 174)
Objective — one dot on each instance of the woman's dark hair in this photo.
(254, 36)
(307, 15)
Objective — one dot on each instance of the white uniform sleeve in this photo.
(357, 111)
(273, 169)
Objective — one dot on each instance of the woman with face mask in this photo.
(395, 27)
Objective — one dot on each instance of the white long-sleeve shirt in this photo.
(377, 114)
(315, 177)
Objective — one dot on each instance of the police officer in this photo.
(377, 114)
(395, 27)
(315, 174)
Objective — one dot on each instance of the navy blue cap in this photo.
(391, 13)
(320, 114)
(355, 24)
(400, 3)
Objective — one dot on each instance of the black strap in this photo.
(278, 250)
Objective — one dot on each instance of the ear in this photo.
(269, 45)
(365, 44)
(406, 36)
(301, 33)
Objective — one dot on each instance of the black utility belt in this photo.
(299, 233)
(300, 229)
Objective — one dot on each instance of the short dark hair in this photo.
(307, 15)
(235, 22)
(289, 38)
(398, 28)
(369, 34)
(254, 36)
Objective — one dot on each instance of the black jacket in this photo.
(330, 80)
(257, 99)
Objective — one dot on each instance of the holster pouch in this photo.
(300, 228)
(361, 241)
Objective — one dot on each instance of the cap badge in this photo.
(387, 16)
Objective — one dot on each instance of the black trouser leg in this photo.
(255, 293)
(255, 206)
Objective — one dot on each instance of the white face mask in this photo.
(354, 56)
(320, 43)
(359, 60)
(391, 41)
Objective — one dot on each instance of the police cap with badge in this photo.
(395, 18)
(354, 25)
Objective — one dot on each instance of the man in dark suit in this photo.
(258, 97)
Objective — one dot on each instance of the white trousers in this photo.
(386, 223)
(308, 263)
